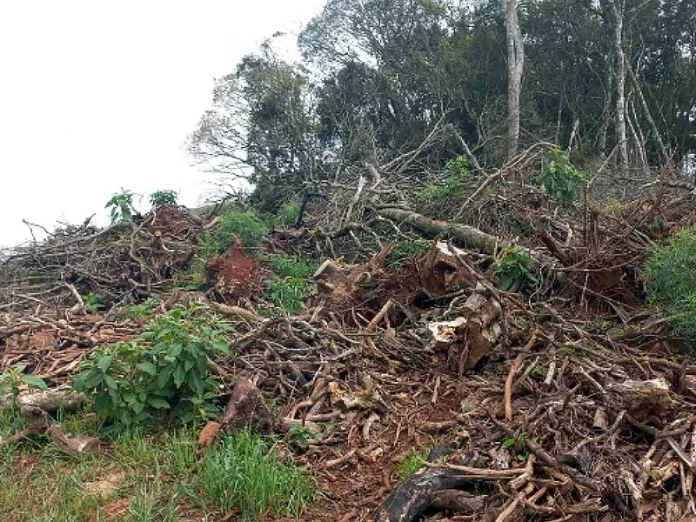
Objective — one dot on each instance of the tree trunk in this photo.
(515, 67)
(616, 16)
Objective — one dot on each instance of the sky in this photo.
(100, 95)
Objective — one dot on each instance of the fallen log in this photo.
(470, 237)
(50, 400)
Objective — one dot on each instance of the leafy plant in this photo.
(410, 463)
(513, 271)
(670, 282)
(121, 207)
(14, 378)
(404, 250)
(560, 179)
(137, 312)
(289, 213)
(453, 185)
(245, 225)
(163, 197)
(244, 474)
(287, 292)
(519, 445)
(164, 372)
(93, 303)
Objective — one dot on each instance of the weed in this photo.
(518, 445)
(670, 278)
(163, 197)
(289, 213)
(163, 372)
(13, 379)
(403, 250)
(513, 271)
(410, 463)
(245, 474)
(121, 207)
(560, 179)
(93, 303)
(453, 185)
(293, 266)
(613, 206)
(287, 292)
(137, 312)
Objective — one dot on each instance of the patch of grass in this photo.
(670, 280)
(287, 293)
(137, 312)
(245, 474)
(40, 483)
(293, 266)
(410, 463)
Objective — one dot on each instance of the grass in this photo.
(243, 474)
(147, 477)
(410, 463)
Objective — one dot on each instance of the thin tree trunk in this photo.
(648, 115)
(620, 76)
(607, 112)
(515, 67)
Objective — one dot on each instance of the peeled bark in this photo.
(515, 67)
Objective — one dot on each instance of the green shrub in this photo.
(163, 197)
(244, 474)
(121, 207)
(137, 312)
(560, 179)
(670, 281)
(93, 303)
(289, 213)
(513, 271)
(454, 183)
(245, 225)
(162, 373)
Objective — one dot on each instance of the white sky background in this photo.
(99, 95)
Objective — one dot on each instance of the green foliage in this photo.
(410, 463)
(288, 213)
(560, 179)
(163, 197)
(454, 184)
(287, 293)
(121, 207)
(244, 474)
(670, 280)
(162, 373)
(13, 379)
(293, 266)
(245, 225)
(404, 250)
(137, 312)
(93, 303)
(513, 271)
(518, 445)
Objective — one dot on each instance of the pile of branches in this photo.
(122, 263)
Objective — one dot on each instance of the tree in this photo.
(515, 57)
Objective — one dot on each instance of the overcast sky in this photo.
(99, 95)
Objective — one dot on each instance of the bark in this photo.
(49, 400)
(616, 15)
(470, 237)
(607, 111)
(515, 67)
(648, 116)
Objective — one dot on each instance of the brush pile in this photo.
(554, 395)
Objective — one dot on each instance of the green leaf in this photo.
(223, 347)
(4, 387)
(110, 382)
(138, 407)
(147, 367)
(179, 375)
(37, 382)
(158, 403)
(509, 443)
(104, 362)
